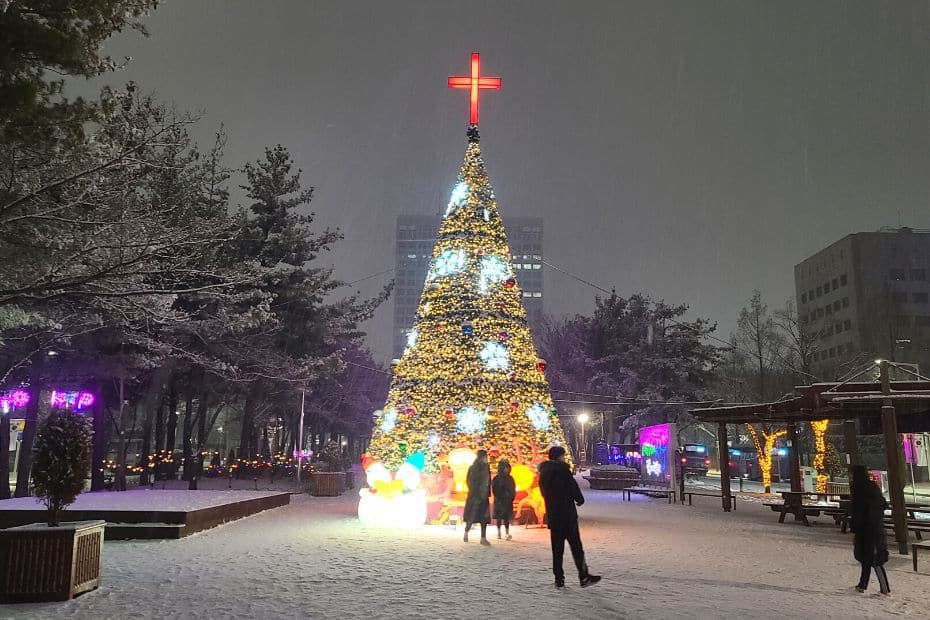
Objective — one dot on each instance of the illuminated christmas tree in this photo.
(469, 376)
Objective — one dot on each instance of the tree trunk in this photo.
(99, 455)
(202, 411)
(247, 431)
(152, 401)
(186, 433)
(4, 458)
(159, 437)
(120, 482)
(171, 434)
(24, 470)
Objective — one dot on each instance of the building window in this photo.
(803, 298)
(920, 298)
(899, 298)
(829, 331)
(847, 325)
(902, 320)
(527, 294)
(845, 302)
(826, 288)
(527, 266)
(803, 319)
(537, 266)
(836, 305)
(832, 351)
(829, 309)
(819, 291)
(537, 294)
(819, 312)
(922, 321)
(810, 295)
(919, 274)
(834, 284)
(839, 349)
(843, 280)
(516, 265)
(896, 274)
(838, 327)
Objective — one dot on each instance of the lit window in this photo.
(411, 256)
(537, 266)
(537, 294)
(527, 266)
(527, 294)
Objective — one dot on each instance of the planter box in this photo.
(40, 563)
(327, 483)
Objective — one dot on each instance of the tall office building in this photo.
(416, 235)
(866, 297)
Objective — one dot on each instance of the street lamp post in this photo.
(582, 456)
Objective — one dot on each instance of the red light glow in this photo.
(474, 83)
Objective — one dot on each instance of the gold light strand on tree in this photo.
(819, 428)
(764, 453)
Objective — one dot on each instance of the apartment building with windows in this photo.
(415, 237)
(867, 296)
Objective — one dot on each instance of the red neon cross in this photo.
(474, 83)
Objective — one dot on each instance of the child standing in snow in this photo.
(505, 491)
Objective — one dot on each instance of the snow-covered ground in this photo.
(142, 499)
(312, 560)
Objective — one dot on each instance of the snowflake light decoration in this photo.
(433, 441)
(493, 269)
(389, 420)
(411, 339)
(495, 356)
(459, 196)
(470, 420)
(447, 263)
(538, 416)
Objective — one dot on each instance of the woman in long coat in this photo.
(505, 491)
(867, 512)
(477, 508)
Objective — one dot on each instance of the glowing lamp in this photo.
(523, 476)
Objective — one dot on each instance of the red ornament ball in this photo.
(514, 405)
(503, 336)
(411, 411)
(510, 283)
(541, 365)
(449, 413)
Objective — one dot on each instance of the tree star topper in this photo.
(474, 83)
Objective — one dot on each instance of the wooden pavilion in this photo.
(872, 403)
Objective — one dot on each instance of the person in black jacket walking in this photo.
(560, 492)
(867, 512)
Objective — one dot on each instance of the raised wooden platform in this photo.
(129, 524)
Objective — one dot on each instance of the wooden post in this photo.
(851, 443)
(723, 452)
(895, 484)
(794, 458)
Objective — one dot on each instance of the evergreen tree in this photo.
(470, 375)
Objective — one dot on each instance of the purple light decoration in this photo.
(654, 435)
(19, 398)
(73, 400)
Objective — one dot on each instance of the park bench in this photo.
(707, 494)
(918, 545)
(612, 479)
(800, 512)
(913, 525)
(649, 491)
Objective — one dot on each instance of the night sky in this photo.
(690, 150)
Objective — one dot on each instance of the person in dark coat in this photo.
(505, 491)
(477, 509)
(561, 493)
(867, 512)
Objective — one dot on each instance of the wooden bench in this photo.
(707, 494)
(612, 479)
(800, 512)
(913, 525)
(918, 545)
(666, 492)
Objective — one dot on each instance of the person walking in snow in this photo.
(867, 512)
(561, 493)
(477, 509)
(505, 491)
